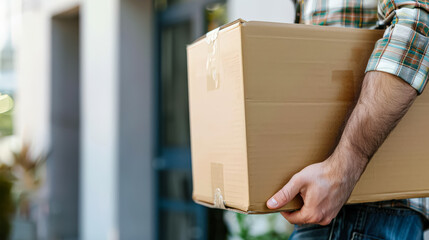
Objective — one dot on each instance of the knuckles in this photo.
(285, 195)
(314, 218)
(326, 222)
(298, 179)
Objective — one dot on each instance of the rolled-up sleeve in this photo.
(403, 50)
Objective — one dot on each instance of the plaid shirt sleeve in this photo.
(403, 50)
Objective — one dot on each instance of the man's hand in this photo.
(326, 186)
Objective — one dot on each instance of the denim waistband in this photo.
(394, 210)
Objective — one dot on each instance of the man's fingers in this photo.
(285, 195)
(296, 217)
(304, 216)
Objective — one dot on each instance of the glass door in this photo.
(179, 22)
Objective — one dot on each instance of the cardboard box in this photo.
(268, 99)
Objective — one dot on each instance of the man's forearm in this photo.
(326, 186)
(383, 101)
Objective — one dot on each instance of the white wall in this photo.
(33, 70)
(32, 108)
(32, 93)
(267, 10)
(117, 113)
(116, 109)
(55, 7)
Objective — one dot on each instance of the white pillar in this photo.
(117, 119)
(268, 10)
(99, 119)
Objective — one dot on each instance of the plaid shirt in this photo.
(403, 50)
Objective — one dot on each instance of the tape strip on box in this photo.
(212, 59)
(217, 185)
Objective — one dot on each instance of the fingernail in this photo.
(273, 202)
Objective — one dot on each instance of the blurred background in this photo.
(97, 146)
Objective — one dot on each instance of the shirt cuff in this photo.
(402, 52)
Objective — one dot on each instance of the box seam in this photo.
(242, 25)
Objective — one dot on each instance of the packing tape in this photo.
(212, 59)
(218, 201)
(217, 185)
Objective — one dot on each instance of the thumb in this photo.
(285, 195)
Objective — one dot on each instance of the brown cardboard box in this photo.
(268, 99)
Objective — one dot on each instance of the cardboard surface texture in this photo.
(268, 99)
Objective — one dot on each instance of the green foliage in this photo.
(6, 124)
(216, 16)
(6, 202)
(270, 234)
(6, 181)
(17, 183)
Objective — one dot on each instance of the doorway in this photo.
(63, 163)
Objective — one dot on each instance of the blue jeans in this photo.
(362, 222)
